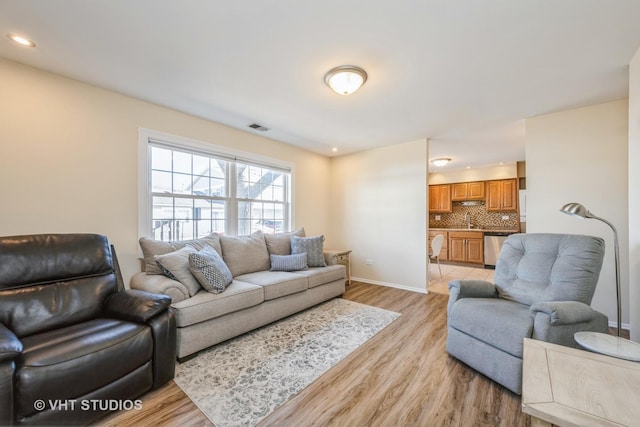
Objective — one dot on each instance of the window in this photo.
(192, 189)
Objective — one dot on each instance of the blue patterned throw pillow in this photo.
(289, 262)
(312, 246)
(209, 269)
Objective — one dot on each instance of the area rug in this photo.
(241, 381)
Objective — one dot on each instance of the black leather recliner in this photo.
(74, 344)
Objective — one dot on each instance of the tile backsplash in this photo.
(480, 218)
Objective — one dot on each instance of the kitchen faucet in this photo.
(467, 218)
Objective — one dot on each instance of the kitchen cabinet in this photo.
(502, 195)
(466, 246)
(444, 252)
(467, 191)
(440, 198)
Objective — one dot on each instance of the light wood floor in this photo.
(401, 377)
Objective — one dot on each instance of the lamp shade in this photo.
(575, 209)
(345, 79)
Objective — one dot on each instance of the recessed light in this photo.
(468, 167)
(334, 149)
(22, 41)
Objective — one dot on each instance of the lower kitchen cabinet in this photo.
(466, 246)
(444, 252)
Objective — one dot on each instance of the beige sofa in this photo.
(255, 297)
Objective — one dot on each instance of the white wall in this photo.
(634, 195)
(509, 170)
(580, 156)
(68, 159)
(379, 211)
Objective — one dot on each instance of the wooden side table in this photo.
(343, 258)
(564, 386)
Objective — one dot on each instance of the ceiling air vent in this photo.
(258, 127)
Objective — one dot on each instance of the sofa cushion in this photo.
(312, 246)
(280, 243)
(276, 284)
(151, 248)
(206, 305)
(175, 265)
(210, 270)
(317, 276)
(289, 262)
(245, 254)
(484, 319)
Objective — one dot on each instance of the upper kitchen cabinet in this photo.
(502, 195)
(467, 191)
(440, 198)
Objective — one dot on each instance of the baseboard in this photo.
(614, 325)
(389, 285)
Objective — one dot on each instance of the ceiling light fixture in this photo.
(22, 41)
(441, 161)
(345, 79)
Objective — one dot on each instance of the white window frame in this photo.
(145, 199)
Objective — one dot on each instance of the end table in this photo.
(342, 257)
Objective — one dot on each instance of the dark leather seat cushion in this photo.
(70, 362)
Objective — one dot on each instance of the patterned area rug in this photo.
(241, 381)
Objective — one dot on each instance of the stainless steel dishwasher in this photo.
(493, 241)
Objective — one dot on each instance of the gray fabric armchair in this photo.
(543, 288)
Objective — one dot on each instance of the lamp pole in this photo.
(617, 260)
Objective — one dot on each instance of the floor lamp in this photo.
(594, 341)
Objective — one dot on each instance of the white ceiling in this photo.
(463, 73)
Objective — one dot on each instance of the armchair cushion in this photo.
(549, 267)
(136, 306)
(10, 345)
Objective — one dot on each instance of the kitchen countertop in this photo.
(484, 230)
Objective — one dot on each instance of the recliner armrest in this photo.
(470, 289)
(10, 345)
(136, 306)
(564, 312)
(473, 288)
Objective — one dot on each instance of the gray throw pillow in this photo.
(176, 267)
(209, 268)
(312, 246)
(289, 262)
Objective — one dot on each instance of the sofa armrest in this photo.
(470, 289)
(136, 306)
(330, 257)
(564, 312)
(159, 284)
(10, 345)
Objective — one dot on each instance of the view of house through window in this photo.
(194, 194)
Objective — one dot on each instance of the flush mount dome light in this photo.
(23, 41)
(346, 79)
(441, 161)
